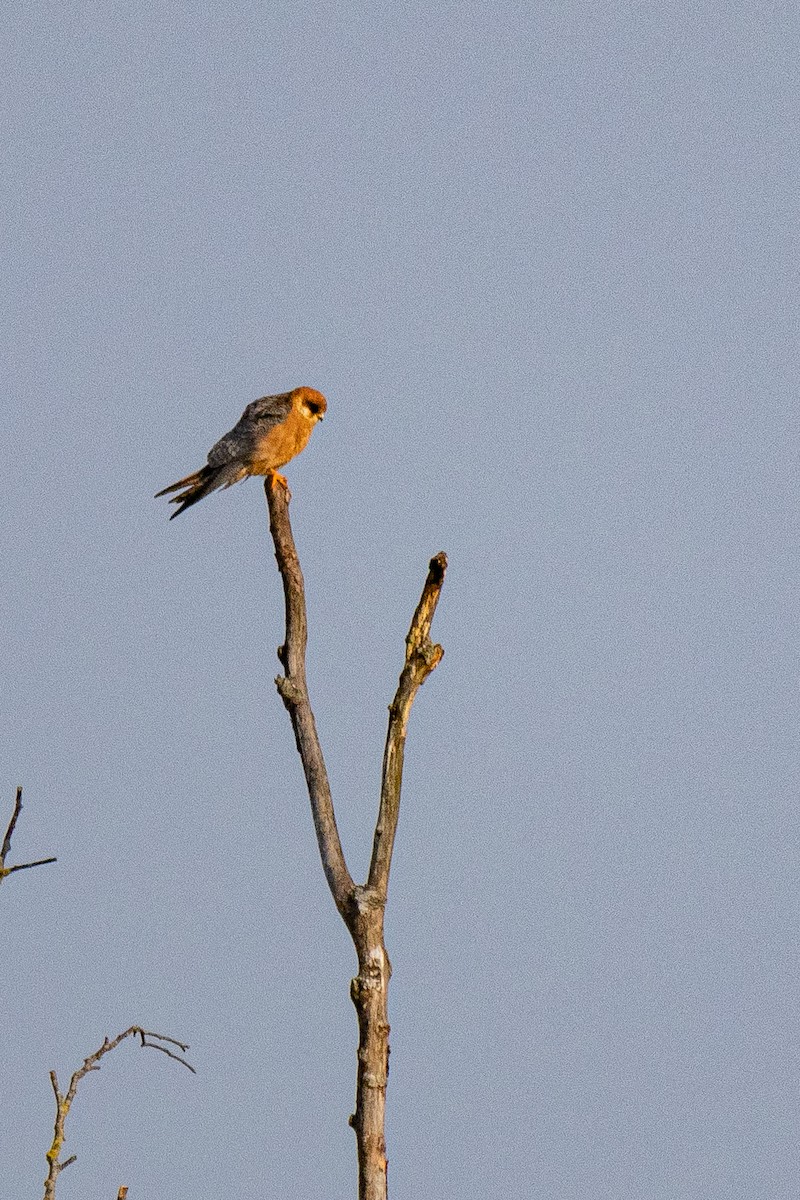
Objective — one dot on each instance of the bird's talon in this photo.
(275, 479)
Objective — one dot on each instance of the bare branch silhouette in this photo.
(64, 1100)
(6, 847)
(362, 907)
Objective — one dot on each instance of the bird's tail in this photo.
(194, 487)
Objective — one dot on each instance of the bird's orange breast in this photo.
(281, 443)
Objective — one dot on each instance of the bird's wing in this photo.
(256, 419)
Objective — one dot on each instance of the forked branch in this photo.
(361, 907)
(152, 1041)
(6, 847)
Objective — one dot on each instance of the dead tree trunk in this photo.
(362, 906)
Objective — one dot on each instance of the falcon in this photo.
(270, 432)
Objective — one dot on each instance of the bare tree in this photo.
(153, 1041)
(361, 906)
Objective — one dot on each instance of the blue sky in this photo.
(542, 262)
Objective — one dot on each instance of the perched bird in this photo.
(269, 433)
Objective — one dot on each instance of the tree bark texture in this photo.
(362, 907)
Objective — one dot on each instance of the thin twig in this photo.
(40, 862)
(164, 1049)
(12, 824)
(162, 1037)
(64, 1101)
(6, 847)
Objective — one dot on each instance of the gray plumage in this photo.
(257, 418)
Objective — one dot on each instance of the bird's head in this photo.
(312, 404)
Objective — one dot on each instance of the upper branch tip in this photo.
(438, 565)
